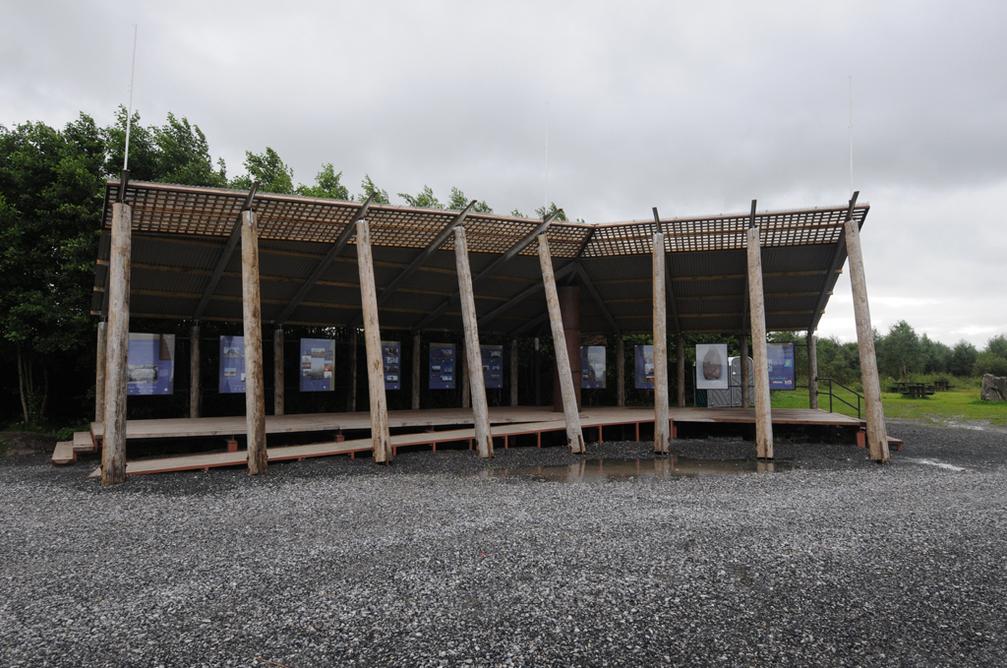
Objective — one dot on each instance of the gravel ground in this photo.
(437, 561)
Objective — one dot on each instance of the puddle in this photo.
(625, 469)
(934, 462)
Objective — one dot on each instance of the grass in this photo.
(958, 403)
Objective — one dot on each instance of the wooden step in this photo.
(64, 454)
(82, 442)
(895, 443)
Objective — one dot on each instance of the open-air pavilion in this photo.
(200, 255)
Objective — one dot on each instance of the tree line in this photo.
(51, 195)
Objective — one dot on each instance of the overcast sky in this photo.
(606, 108)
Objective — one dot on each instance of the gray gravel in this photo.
(434, 561)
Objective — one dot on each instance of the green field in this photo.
(957, 404)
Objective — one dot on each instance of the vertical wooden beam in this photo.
(380, 441)
(574, 435)
(195, 379)
(113, 449)
(746, 398)
(279, 388)
(514, 373)
(680, 371)
(812, 371)
(415, 386)
(463, 360)
(473, 355)
(620, 372)
(877, 434)
(251, 309)
(354, 346)
(99, 373)
(756, 304)
(660, 318)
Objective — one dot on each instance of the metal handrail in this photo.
(833, 395)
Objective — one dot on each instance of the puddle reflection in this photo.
(622, 469)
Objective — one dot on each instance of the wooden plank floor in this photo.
(512, 425)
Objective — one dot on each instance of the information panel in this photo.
(318, 362)
(711, 366)
(391, 354)
(781, 365)
(492, 366)
(442, 366)
(644, 358)
(592, 367)
(232, 365)
(151, 364)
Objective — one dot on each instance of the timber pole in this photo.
(414, 386)
(113, 446)
(353, 371)
(473, 354)
(279, 392)
(574, 435)
(812, 371)
(99, 373)
(746, 381)
(195, 381)
(466, 397)
(514, 374)
(380, 441)
(620, 372)
(877, 435)
(251, 308)
(680, 370)
(756, 304)
(661, 419)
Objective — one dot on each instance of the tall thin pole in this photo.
(851, 133)
(129, 111)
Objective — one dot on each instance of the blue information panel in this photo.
(151, 363)
(232, 365)
(781, 365)
(592, 367)
(391, 354)
(644, 376)
(442, 366)
(318, 364)
(492, 366)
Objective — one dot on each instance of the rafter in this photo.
(834, 266)
(225, 256)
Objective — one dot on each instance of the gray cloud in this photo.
(607, 108)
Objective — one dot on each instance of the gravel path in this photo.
(437, 561)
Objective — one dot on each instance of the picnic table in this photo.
(916, 390)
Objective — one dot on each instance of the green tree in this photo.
(936, 356)
(963, 358)
(899, 352)
(327, 184)
(273, 175)
(143, 161)
(50, 205)
(182, 155)
(369, 189)
(997, 346)
(988, 362)
(459, 201)
(544, 211)
(424, 199)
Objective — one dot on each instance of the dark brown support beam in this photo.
(531, 290)
(323, 264)
(834, 267)
(599, 302)
(745, 316)
(667, 282)
(225, 256)
(511, 253)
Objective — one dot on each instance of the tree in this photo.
(987, 362)
(997, 346)
(963, 358)
(935, 356)
(899, 351)
(459, 201)
(143, 162)
(182, 155)
(544, 211)
(50, 205)
(327, 184)
(273, 175)
(424, 199)
(369, 189)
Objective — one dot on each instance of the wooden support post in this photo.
(746, 381)
(251, 309)
(514, 374)
(354, 345)
(195, 379)
(812, 371)
(877, 434)
(380, 440)
(415, 386)
(473, 354)
(99, 373)
(660, 318)
(279, 393)
(756, 304)
(680, 370)
(574, 435)
(465, 374)
(620, 372)
(113, 450)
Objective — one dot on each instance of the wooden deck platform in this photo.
(506, 424)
